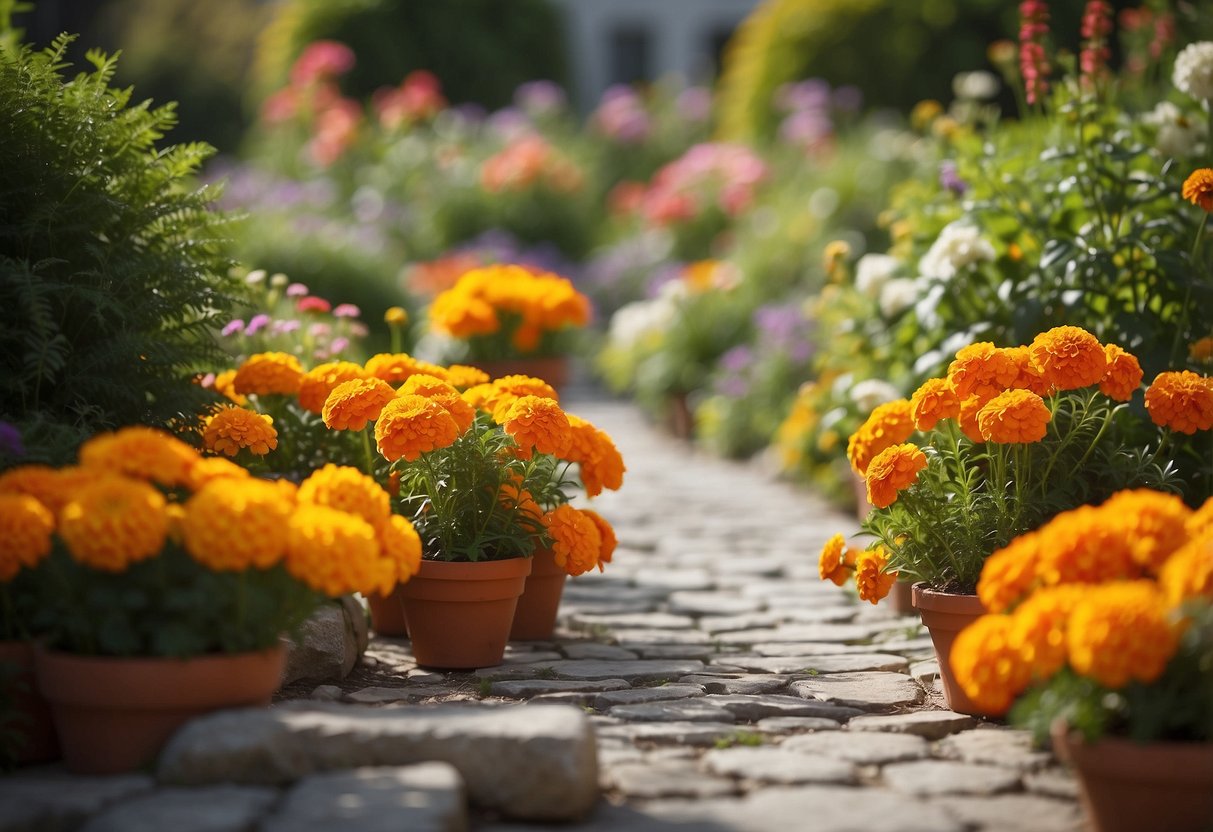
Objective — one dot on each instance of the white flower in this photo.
(1178, 135)
(872, 392)
(959, 245)
(873, 271)
(1193, 72)
(254, 277)
(897, 295)
(632, 322)
(975, 86)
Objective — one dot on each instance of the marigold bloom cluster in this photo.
(1181, 401)
(234, 525)
(395, 367)
(140, 452)
(445, 394)
(889, 424)
(1198, 189)
(354, 403)
(114, 522)
(1123, 375)
(538, 424)
(832, 564)
(25, 533)
(894, 469)
(576, 541)
(1068, 358)
(411, 425)
(934, 400)
(599, 461)
(269, 373)
(231, 429)
(871, 576)
(1014, 416)
(982, 370)
(318, 382)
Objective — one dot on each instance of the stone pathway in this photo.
(727, 688)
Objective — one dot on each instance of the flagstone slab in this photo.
(702, 652)
(428, 797)
(691, 734)
(205, 809)
(787, 725)
(1000, 746)
(1014, 813)
(667, 778)
(776, 765)
(638, 696)
(646, 620)
(1052, 782)
(49, 800)
(867, 691)
(635, 670)
(932, 725)
(840, 663)
(383, 695)
(596, 650)
(549, 750)
(748, 684)
(687, 710)
(754, 708)
(712, 603)
(799, 632)
(526, 688)
(928, 778)
(862, 748)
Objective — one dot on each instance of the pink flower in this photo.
(296, 290)
(280, 106)
(319, 330)
(338, 345)
(321, 59)
(313, 304)
(256, 324)
(232, 327)
(347, 310)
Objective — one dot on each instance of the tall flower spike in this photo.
(1034, 66)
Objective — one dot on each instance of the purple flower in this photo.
(950, 179)
(810, 94)
(509, 123)
(256, 324)
(232, 328)
(296, 290)
(737, 360)
(346, 310)
(694, 103)
(540, 97)
(283, 327)
(10, 441)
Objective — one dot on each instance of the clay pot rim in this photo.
(954, 602)
(1069, 741)
(461, 570)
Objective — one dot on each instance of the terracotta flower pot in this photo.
(35, 739)
(554, 369)
(114, 714)
(945, 614)
(387, 614)
(1127, 787)
(535, 618)
(459, 614)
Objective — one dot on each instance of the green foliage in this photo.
(169, 605)
(111, 268)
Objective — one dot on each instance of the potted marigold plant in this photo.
(511, 321)
(1009, 438)
(1100, 634)
(168, 579)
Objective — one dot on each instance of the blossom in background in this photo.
(1096, 26)
(1198, 189)
(898, 295)
(321, 60)
(10, 441)
(1178, 134)
(621, 116)
(1193, 73)
(870, 393)
(418, 98)
(975, 86)
(873, 271)
(950, 179)
(893, 470)
(694, 104)
(1033, 63)
(958, 246)
(1182, 401)
(540, 98)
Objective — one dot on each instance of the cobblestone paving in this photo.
(729, 687)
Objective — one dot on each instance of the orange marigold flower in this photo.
(412, 425)
(576, 541)
(267, 373)
(462, 315)
(333, 552)
(508, 389)
(510, 497)
(225, 385)
(888, 424)
(987, 664)
(1014, 416)
(233, 525)
(396, 367)
(607, 533)
(347, 489)
(52, 487)
(25, 533)
(1082, 546)
(982, 369)
(1198, 189)
(318, 382)
(871, 579)
(354, 403)
(1027, 376)
(401, 546)
(537, 424)
(970, 409)
(1151, 524)
(461, 376)
(1189, 572)
(212, 468)
(229, 430)
(1068, 357)
(1199, 523)
(1123, 376)
(1201, 350)
(933, 401)
(1038, 628)
(1182, 401)
(114, 522)
(141, 452)
(1120, 632)
(831, 564)
(445, 394)
(1009, 573)
(600, 463)
(894, 469)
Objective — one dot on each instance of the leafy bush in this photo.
(111, 267)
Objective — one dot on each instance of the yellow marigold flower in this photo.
(607, 533)
(401, 546)
(1120, 632)
(576, 541)
(1009, 573)
(537, 424)
(831, 563)
(987, 664)
(1198, 189)
(1068, 357)
(25, 533)
(354, 403)
(412, 425)
(894, 469)
(461, 315)
(1182, 401)
(333, 552)
(1197, 524)
(507, 390)
(318, 382)
(396, 367)
(1027, 376)
(347, 489)
(445, 394)
(225, 385)
(1038, 628)
(1014, 416)
(114, 522)
(212, 468)
(268, 373)
(888, 424)
(396, 316)
(141, 452)
(1123, 375)
(982, 370)
(1189, 572)
(462, 376)
(522, 501)
(970, 410)
(1201, 350)
(229, 430)
(175, 512)
(233, 525)
(600, 463)
(871, 579)
(933, 401)
(52, 487)
(1150, 523)
(1083, 546)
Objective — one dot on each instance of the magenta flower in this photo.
(338, 345)
(256, 324)
(296, 290)
(347, 310)
(232, 327)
